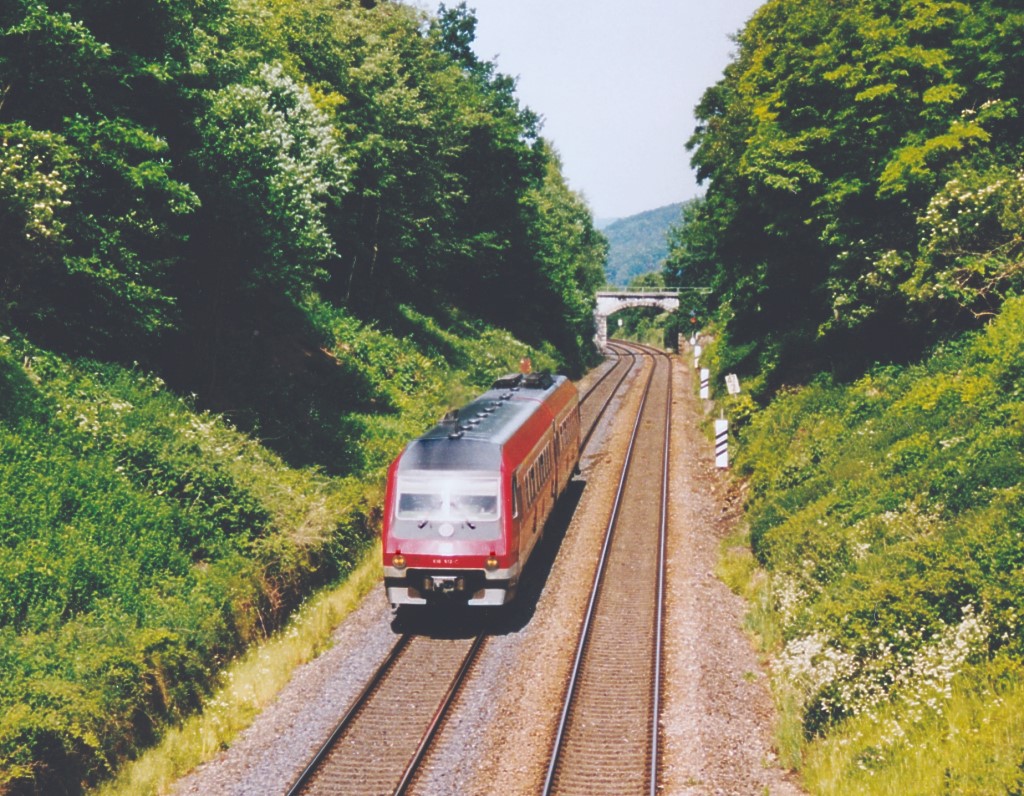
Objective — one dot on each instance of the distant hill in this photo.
(638, 244)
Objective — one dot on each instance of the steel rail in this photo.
(366, 696)
(605, 375)
(442, 711)
(604, 407)
(660, 589)
(659, 620)
(595, 589)
(350, 714)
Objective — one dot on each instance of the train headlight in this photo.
(398, 561)
(492, 562)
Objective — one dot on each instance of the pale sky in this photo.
(616, 83)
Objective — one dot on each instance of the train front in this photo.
(444, 537)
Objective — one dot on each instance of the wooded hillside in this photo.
(638, 245)
(864, 193)
(862, 230)
(327, 222)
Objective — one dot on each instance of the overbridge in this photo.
(611, 301)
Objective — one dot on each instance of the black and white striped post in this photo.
(722, 443)
(705, 383)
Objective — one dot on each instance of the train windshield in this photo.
(458, 499)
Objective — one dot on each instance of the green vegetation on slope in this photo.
(638, 245)
(144, 544)
(862, 232)
(888, 515)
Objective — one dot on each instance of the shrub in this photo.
(887, 515)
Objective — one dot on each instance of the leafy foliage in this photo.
(271, 157)
(639, 244)
(204, 154)
(861, 160)
(887, 514)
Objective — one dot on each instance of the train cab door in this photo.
(520, 529)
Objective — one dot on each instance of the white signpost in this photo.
(722, 443)
(732, 383)
(705, 383)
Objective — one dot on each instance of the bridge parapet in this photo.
(611, 301)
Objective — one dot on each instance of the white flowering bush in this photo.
(33, 188)
(972, 247)
(833, 680)
(273, 155)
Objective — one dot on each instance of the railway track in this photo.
(598, 397)
(607, 738)
(379, 743)
(385, 736)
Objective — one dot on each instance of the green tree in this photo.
(824, 145)
(270, 163)
(100, 83)
(570, 256)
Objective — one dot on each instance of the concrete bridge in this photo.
(611, 301)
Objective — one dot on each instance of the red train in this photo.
(466, 502)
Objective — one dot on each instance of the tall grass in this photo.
(970, 744)
(245, 688)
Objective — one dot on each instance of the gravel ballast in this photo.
(717, 713)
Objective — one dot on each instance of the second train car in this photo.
(467, 502)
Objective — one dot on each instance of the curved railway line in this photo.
(607, 738)
(384, 737)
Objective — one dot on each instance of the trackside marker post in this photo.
(705, 383)
(722, 443)
(696, 355)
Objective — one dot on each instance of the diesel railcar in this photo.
(466, 502)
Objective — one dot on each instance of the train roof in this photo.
(471, 438)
